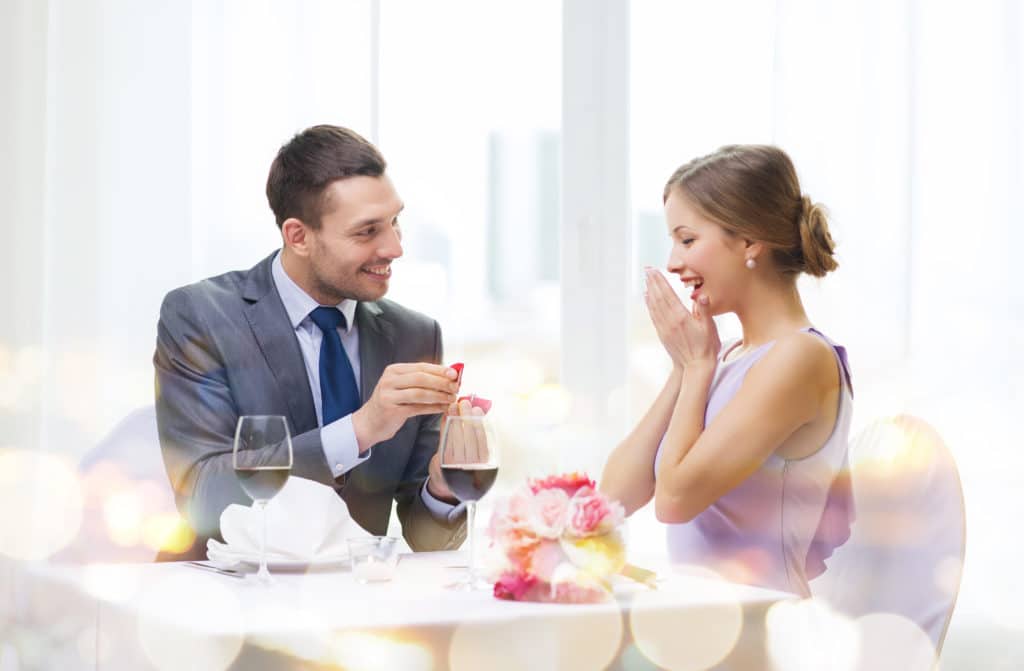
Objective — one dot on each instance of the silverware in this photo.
(231, 573)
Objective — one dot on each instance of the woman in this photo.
(743, 449)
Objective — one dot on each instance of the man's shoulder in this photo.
(210, 293)
(229, 282)
(399, 315)
(219, 290)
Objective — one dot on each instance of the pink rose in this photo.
(591, 514)
(520, 586)
(518, 548)
(511, 514)
(570, 483)
(545, 558)
(548, 511)
(514, 585)
(510, 529)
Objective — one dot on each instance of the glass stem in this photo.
(470, 525)
(263, 573)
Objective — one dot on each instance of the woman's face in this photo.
(706, 257)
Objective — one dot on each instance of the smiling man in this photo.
(306, 333)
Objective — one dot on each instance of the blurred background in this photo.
(530, 142)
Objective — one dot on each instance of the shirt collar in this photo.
(298, 304)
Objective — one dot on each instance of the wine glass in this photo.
(262, 459)
(469, 465)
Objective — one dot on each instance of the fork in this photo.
(230, 572)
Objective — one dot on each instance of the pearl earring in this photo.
(751, 263)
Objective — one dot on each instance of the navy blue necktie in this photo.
(338, 388)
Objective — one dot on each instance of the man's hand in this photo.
(404, 390)
(436, 485)
(462, 448)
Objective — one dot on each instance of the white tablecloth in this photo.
(171, 616)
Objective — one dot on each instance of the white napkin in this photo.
(306, 521)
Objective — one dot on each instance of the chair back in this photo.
(130, 512)
(906, 549)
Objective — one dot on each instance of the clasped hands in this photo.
(690, 338)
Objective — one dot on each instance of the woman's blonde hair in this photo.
(752, 191)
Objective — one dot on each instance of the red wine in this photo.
(469, 482)
(262, 484)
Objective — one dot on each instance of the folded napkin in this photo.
(306, 521)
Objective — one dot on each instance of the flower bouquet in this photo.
(560, 541)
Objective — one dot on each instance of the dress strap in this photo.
(840, 354)
(727, 349)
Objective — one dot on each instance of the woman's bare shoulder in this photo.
(801, 356)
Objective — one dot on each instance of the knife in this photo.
(232, 573)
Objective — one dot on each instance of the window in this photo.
(470, 125)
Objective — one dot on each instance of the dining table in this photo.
(177, 615)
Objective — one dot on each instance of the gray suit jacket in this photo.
(225, 347)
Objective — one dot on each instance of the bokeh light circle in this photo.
(289, 629)
(809, 635)
(167, 531)
(581, 640)
(363, 651)
(40, 504)
(190, 622)
(890, 642)
(123, 514)
(693, 638)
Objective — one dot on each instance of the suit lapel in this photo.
(376, 346)
(276, 339)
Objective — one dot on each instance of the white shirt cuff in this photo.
(341, 447)
(444, 512)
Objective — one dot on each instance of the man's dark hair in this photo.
(309, 163)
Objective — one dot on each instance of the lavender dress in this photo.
(779, 525)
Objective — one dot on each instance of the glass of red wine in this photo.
(263, 461)
(469, 464)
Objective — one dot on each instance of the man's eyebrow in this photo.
(371, 222)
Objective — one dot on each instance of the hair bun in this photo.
(815, 239)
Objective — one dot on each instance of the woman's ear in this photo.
(754, 249)
(295, 236)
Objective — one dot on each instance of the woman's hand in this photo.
(688, 338)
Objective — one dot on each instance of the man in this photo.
(306, 334)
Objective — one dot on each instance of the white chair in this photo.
(126, 488)
(133, 444)
(906, 549)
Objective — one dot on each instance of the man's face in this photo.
(350, 255)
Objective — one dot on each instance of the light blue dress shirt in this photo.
(339, 437)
